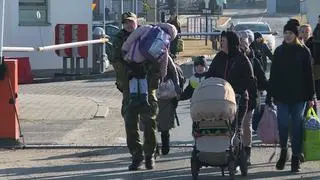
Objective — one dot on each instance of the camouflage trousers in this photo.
(132, 116)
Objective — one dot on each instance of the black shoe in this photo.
(157, 152)
(282, 160)
(295, 163)
(136, 163)
(149, 162)
(165, 139)
(248, 152)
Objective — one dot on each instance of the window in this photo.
(33, 12)
(253, 27)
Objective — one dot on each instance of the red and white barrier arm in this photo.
(71, 45)
(18, 49)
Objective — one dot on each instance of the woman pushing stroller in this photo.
(233, 66)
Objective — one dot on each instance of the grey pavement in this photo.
(111, 163)
(70, 113)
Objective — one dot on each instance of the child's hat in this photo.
(200, 60)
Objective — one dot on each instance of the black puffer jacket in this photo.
(291, 78)
(260, 84)
(236, 69)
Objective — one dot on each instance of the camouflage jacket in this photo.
(123, 68)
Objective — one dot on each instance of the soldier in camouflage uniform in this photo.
(133, 115)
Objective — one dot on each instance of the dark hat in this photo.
(200, 60)
(257, 35)
(128, 16)
(294, 22)
(291, 26)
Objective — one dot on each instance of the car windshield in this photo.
(252, 27)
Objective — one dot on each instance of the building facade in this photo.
(31, 23)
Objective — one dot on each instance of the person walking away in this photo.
(132, 115)
(233, 66)
(254, 91)
(261, 50)
(174, 44)
(291, 86)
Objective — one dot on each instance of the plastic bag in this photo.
(167, 90)
(311, 140)
(268, 126)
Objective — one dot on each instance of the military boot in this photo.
(136, 163)
(149, 162)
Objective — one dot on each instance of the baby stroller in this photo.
(216, 133)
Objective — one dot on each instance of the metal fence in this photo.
(198, 24)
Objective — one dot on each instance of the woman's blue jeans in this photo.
(296, 112)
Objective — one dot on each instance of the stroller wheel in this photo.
(195, 166)
(243, 162)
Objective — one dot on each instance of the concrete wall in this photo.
(60, 12)
(272, 6)
(313, 11)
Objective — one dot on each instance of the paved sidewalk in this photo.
(85, 112)
(112, 163)
(34, 107)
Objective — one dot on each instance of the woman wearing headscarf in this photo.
(254, 91)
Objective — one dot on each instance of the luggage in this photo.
(214, 99)
(268, 126)
(155, 44)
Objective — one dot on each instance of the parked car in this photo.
(262, 28)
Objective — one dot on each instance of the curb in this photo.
(102, 112)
